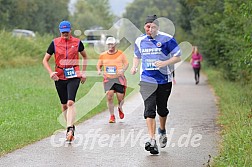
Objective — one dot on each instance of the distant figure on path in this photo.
(196, 63)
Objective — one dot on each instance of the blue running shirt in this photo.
(162, 48)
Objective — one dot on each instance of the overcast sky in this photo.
(117, 6)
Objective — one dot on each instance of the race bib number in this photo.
(196, 62)
(149, 64)
(111, 69)
(69, 72)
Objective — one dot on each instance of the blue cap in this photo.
(65, 26)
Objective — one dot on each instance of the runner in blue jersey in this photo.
(158, 52)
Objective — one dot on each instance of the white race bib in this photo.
(149, 64)
(69, 72)
(111, 69)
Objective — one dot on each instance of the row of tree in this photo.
(137, 11)
(221, 29)
(91, 14)
(44, 16)
(40, 16)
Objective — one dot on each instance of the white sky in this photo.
(117, 6)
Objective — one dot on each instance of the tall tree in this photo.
(41, 16)
(137, 11)
(222, 29)
(5, 12)
(92, 13)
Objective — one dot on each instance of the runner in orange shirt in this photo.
(114, 64)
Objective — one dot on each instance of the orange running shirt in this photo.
(112, 63)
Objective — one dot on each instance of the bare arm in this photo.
(99, 66)
(173, 60)
(125, 67)
(121, 72)
(84, 66)
(136, 62)
(48, 68)
(201, 58)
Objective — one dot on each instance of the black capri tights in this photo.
(155, 97)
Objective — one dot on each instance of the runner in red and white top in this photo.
(67, 74)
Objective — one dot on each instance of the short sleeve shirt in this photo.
(150, 50)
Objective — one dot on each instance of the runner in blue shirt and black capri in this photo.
(158, 53)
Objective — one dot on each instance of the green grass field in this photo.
(30, 105)
(235, 119)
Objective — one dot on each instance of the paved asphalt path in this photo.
(191, 128)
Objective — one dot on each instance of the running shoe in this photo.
(154, 147)
(70, 133)
(162, 138)
(112, 119)
(147, 146)
(151, 146)
(121, 114)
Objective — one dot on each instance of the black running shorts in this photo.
(114, 84)
(67, 89)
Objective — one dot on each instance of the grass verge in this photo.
(30, 104)
(235, 118)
